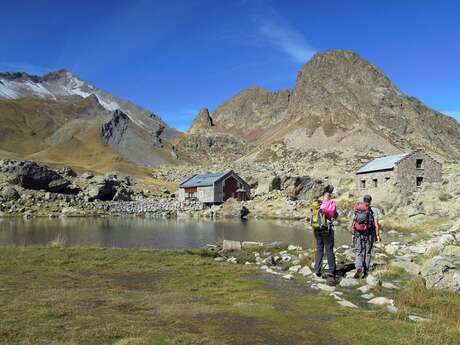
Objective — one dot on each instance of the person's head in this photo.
(327, 196)
(367, 199)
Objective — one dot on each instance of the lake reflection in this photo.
(153, 233)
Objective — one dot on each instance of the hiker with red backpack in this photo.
(366, 230)
(321, 220)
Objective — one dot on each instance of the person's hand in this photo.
(379, 239)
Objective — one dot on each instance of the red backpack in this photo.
(363, 219)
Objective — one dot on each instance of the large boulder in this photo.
(123, 194)
(268, 184)
(109, 187)
(101, 188)
(67, 172)
(442, 272)
(233, 209)
(9, 193)
(306, 187)
(31, 175)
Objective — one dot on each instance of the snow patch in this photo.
(38, 89)
(5, 90)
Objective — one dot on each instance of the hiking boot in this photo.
(318, 274)
(358, 274)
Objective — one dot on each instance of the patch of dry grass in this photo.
(440, 306)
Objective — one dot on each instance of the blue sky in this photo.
(175, 57)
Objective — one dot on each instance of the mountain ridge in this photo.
(340, 99)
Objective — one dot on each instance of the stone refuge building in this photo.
(214, 188)
(409, 171)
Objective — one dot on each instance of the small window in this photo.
(419, 181)
(419, 163)
(375, 182)
(387, 179)
(363, 184)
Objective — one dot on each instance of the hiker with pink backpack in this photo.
(366, 230)
(324, 234)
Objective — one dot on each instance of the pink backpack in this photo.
(329, 209)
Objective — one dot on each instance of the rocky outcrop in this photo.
(9, 193)
(137, 144)
(114, 131)
(202, 123)
(339, 91)
(234, 209)
(248, 115)
(31, 175)
(340, 103)
(306, 187)
(109, 187)
(442, 272)
(67, 172)
(211, 146)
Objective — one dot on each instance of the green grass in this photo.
(117, 296)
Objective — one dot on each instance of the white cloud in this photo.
(281, 34)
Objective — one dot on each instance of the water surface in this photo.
(153, 233)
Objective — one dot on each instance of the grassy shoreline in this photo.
(124, 296)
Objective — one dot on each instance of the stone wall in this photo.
(405, 174)
(382, 178)
(407, 171)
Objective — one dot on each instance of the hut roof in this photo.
(382, 163)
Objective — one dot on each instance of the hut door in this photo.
(230, 187)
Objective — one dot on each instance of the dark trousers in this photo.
(325, 240)
(364, 242)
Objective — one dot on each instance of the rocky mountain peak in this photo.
(251, 112)
(334, 69)
(340, 102)
(59, 74)
(202, 122)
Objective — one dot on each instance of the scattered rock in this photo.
(248, 244)
(368, 295)
(67, 172)
(392, 309)
(9, 193)
(417, 318)
(390, 286)
(292, 247)
(232, 260)
(231, 245)
(372, 280)
(348, 282)
(381, 301)
(345, 303)
(391, 248)
(366, 288)
(325, 287)
(295, 268)
(305, 271)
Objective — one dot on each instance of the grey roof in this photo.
(202, 180)
(382, 163)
